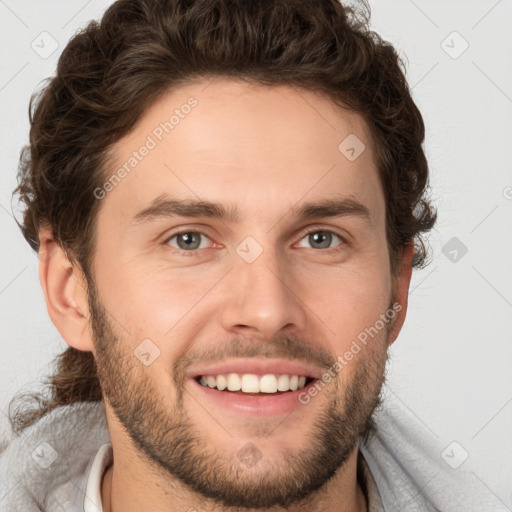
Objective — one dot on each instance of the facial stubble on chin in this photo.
(174, 447)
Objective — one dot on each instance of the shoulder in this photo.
(408, 464)
(47, 457)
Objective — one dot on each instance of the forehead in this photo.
(243, 145)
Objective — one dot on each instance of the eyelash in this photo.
(194, 252)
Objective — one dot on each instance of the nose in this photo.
(260, 299)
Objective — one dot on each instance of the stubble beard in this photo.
(171, 443)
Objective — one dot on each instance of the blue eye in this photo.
(191, 241)
(321, 239)
(187, 240)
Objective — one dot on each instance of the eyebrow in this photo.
(165, 207)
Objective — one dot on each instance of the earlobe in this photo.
(401, 294)
(65, 292)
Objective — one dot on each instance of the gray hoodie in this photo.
(47, 467)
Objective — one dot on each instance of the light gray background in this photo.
(451, 365)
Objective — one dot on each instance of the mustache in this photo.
(286, 347)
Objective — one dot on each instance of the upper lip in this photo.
(258, 367)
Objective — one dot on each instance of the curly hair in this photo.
(113, 70)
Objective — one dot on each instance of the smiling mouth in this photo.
(254, 385)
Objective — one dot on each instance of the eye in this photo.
(187, 240)
(322, 239)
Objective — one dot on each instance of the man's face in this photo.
(261, 291)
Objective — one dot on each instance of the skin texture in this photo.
(265, 151)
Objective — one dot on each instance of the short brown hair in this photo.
(112, 71)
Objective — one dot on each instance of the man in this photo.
(227, 199)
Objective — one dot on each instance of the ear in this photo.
(65, 291)
(401, 292)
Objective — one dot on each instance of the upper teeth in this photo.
(250, 383)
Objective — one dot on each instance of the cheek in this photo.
(347, 300)
(154, 301)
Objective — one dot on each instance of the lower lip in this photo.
(262, 405)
